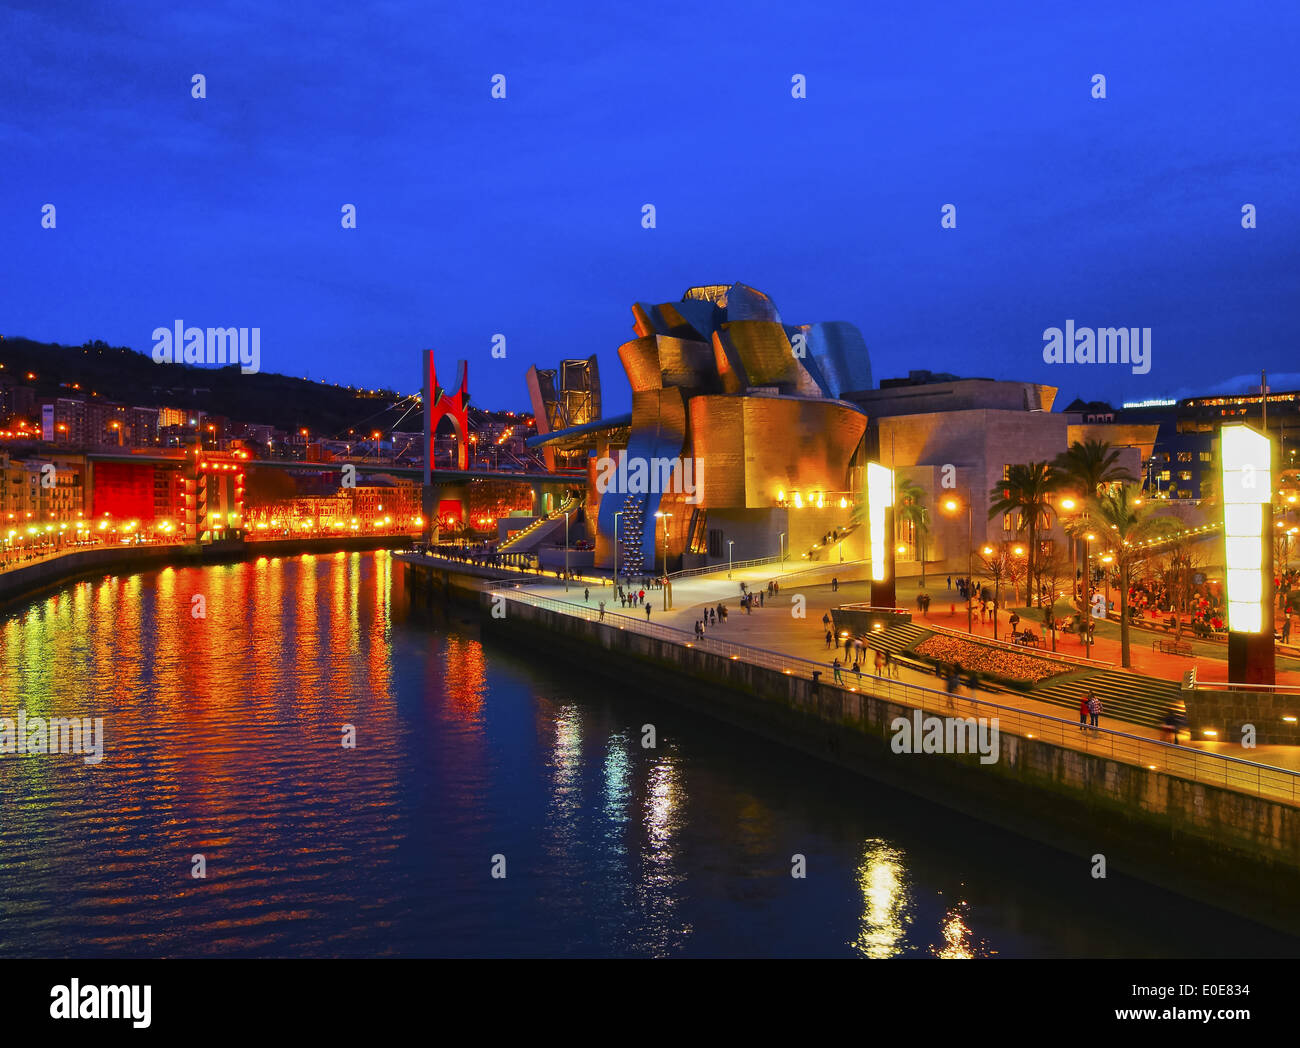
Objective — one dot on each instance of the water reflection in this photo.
(223, 738)
(886, 901)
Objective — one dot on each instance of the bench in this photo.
(1172, 647)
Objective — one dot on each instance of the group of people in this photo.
(1089, 710)
(712, 616)
(749, 599)
(630, 598)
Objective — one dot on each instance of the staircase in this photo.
(823, 549)
(539, 530)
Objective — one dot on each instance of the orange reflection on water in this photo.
(886, 902)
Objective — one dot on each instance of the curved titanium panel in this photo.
(640, 359)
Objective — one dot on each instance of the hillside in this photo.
(122, 374)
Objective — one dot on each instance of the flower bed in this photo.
(989, 661)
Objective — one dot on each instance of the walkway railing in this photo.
(1197, 765)
(710, 569)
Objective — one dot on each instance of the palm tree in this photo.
(1089, 465)
(1027, 491)
(1124, 526)
(908, 496)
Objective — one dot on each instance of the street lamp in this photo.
(952, 506)
(566, 551)
(1107, 559)
(1087, 591)
(730, 543)
(665, 517)
(783, 552)
(1070, 504)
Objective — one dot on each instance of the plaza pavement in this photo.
(774, 628)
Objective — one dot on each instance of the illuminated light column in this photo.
(880, 523)
(1247, 458)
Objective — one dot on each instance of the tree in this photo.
(1089, 466)
(908, 496)
(1027, 492)
(1123, 527)
(1052, 571)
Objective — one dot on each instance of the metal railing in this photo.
(710, 569)
(1202, 766)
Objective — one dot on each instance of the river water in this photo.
(225, 719)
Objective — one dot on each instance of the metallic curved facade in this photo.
(720, 394)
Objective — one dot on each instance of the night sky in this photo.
(522, 216)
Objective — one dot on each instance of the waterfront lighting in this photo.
(880, 498)
(1247, 483)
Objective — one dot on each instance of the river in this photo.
(228, 692)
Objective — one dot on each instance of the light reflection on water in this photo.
(225, 739)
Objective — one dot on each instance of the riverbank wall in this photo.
(1230, 849)
(31, 580)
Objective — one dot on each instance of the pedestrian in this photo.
(891, 667)
(857, 669)
(641, 594)
(830, 639)
(950, 582)
(1286, 627)
(880, 663)
(826, 620)
(760, 600)
(835, 585)
(835, 665)
(1084, 711)
(1015, 621)
(950, 685)
(586, 594)
(1094, 708)
(647, 613)
(602, 611)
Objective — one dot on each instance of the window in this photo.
(1206, 456)
(1006, 522)
(1184, 456)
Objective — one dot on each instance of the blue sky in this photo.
(522, 216)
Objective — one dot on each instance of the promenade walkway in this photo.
(772, 635)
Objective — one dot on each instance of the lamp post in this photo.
(1070, 504)
(730, 543)
(616, 516)
(1087, 592)
(782, 565)
(952, 506)
(665, 517)
(566, 551)
(1107, 559)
